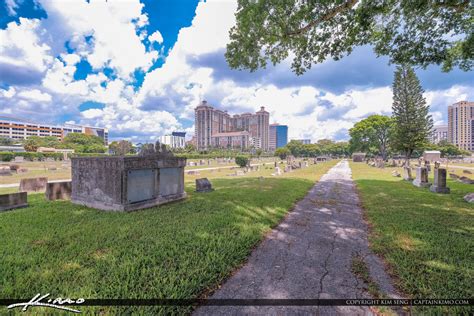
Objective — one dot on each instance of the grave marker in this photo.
(13, 200)
(439, 185)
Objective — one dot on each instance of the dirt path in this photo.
(309, 255)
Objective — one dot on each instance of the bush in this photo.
(9, 156)
(242, 161)
(6, 156)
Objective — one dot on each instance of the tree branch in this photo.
(329, 15)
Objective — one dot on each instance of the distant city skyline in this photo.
(141, 74)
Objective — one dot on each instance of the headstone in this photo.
(469, 198)
(421, 179)
(5, 172)
(395, 173)
(465, 180)
(22, 170)
(439, 185)
(277, 171)
(33, 184)
(407, 174)
(58, 190)
(13, 200)
(453, 176)
(14, 167)
(239, 173)
(203, 185)
(467, 171)
(19, 159)
(379, 163)
(52, 168)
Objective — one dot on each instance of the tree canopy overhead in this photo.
(412, 32)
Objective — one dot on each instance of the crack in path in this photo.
(309, 261)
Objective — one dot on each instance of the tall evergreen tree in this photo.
(413, 123)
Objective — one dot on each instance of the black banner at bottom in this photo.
(254, 302)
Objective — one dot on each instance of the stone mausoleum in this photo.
(127, 183)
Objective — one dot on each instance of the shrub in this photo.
(9, 156)
(242, 161)
(6, 156)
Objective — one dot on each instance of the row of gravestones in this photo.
(53, 191)
(10, 169)
(439, 184)
(288, 168)
(19, 159)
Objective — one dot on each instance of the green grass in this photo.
(179, 250)
(427, 239)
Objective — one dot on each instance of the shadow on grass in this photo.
(426, 238)
(172, 251)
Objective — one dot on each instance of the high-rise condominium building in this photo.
(23, 129)
(461, 125)
(278, 136)
(216, 128)
(440, 132)
(175, 140)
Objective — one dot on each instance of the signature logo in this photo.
(44, 301)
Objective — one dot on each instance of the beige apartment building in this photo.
(216, 128)
(461, 125)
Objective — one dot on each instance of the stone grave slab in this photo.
(203, 185)
(33, 184)
(58, 190)
(13, 200)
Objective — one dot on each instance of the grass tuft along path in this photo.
(174, 251)
(426, 238)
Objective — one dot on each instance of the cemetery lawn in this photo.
(180, 250)
(426, 239)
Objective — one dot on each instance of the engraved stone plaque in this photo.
(140, 185)
(169, 181)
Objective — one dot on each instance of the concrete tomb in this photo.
(58, 190)
(421, 179)
(439, 185)
(13, 200)
(203, 185)
(358, 157)
(33, 184)
(126, 183)
(432, 155)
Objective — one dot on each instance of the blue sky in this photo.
(140, 68)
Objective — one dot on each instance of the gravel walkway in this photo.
(309, 256)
